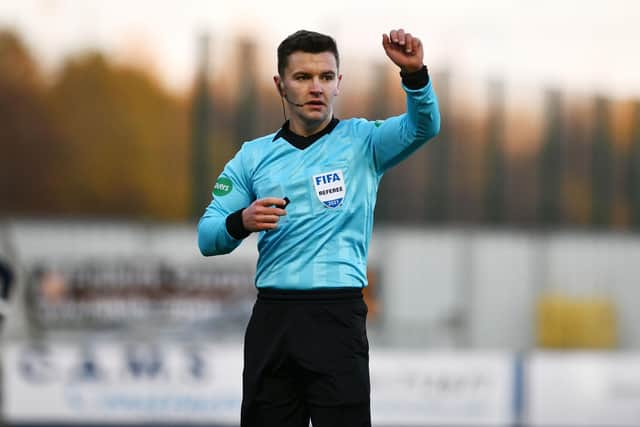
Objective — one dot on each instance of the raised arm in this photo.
(397, 137)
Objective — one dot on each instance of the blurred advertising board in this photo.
(121, 294)
(112, 295)
(583, 389)
(131, 383)
(412, 388)
(122, 382)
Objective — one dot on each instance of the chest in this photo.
(318, 179)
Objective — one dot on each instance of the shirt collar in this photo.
(300, 141)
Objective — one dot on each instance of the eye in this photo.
(301, 77)
(328, 77)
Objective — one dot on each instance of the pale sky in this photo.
(586, 45)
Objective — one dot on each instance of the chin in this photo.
(317, 116)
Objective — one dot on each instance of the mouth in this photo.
(315, 103)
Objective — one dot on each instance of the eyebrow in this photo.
(307, 73)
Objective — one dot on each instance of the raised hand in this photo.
(404, 50)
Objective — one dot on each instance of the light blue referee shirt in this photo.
(323, 240)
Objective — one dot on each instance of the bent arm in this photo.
(397, 137)
(219, 231)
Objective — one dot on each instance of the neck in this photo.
(308, 128)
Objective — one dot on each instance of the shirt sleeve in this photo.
(397, 137)
(232, 192)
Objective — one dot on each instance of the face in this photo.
(312, 81)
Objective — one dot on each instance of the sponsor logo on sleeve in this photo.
(223, 186)
(330, 188)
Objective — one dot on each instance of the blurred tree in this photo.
(601, 166)
(494, 192)
(126, 142)
(246, 117)
(576, 203)
(633, 185)
(550, 165)
(29, 140)
(17, 67)
(201, 114)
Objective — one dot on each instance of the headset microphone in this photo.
(284, 95)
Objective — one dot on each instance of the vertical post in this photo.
(245, 121)
(633, 183)
(201, 163)
(494, 194)
(601, 166)
(551, 162)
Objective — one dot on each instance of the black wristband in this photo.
(235, 227)
(417, 79)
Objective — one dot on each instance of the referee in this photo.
(309, 189)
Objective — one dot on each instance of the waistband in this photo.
(317, 294)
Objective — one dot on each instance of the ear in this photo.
(336, 92)
(279, 85)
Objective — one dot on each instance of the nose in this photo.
(316, 86)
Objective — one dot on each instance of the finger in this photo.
(386, 43)
(267, 219)
(417, 44)
(271, 211)
(417, 48)
(394, 36)
(270, 201)
(401, 37)
(257, 224)
(266, 225)
(408, 38)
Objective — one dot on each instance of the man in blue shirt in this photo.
(310, 191)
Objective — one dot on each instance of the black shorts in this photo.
(306, 356)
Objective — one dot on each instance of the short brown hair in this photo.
(305, 41)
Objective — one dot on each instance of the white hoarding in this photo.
(429, 388)
(115, 382)
(583, 389)
(171, 382)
